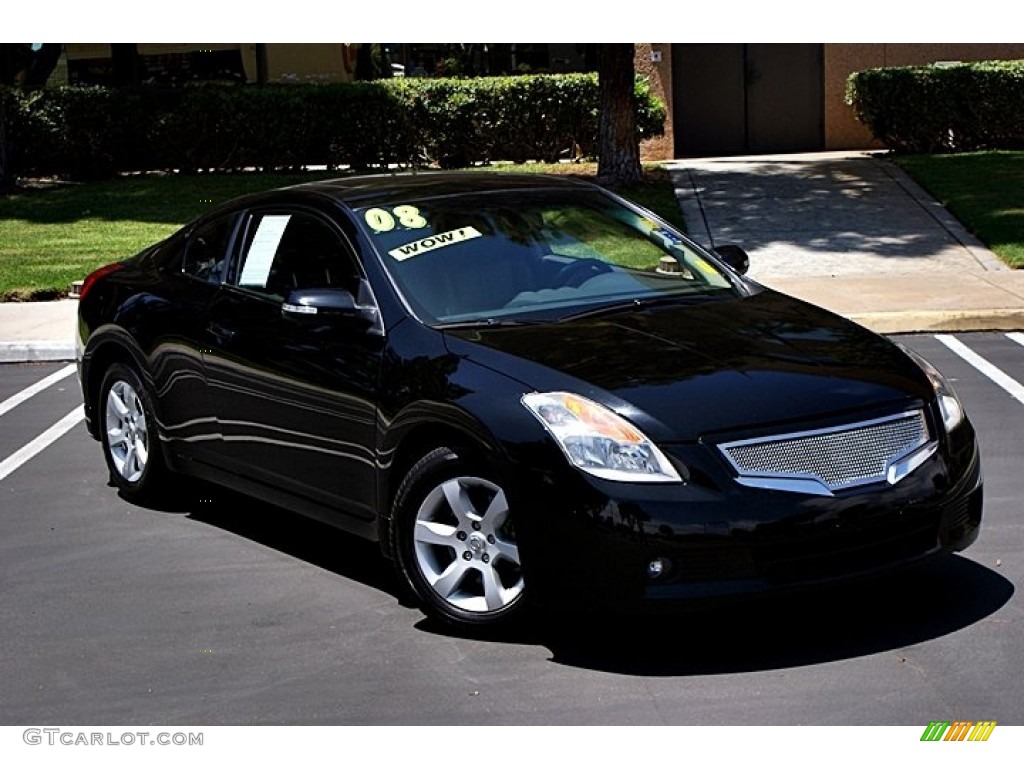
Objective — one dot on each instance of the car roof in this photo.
(357, 191)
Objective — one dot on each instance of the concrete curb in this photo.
(944, 321)
(36, 351)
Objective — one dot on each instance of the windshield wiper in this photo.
(489, 322)
(631, 304)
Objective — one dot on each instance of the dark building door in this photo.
(736, 98)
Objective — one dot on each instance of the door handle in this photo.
(221, 333)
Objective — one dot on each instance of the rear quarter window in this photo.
(206, 249)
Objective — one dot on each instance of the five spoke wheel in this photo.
(465, 547)
(128, 430)
(456, 543)
(127, 434)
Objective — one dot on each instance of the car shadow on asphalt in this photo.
(930, 601)
(299, 537)
(925, 603)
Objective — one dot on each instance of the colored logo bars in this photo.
(960, 730)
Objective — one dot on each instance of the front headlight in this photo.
(949, 404)
(599, 441)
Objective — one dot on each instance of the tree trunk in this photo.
(12, 61)
(618, 149)
(6, 177)
(364, 62)
(10, 65)
(261, 64)
(126, 64)
(43, 63)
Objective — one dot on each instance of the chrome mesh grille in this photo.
(838, 458)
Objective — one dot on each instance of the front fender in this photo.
(460, 405)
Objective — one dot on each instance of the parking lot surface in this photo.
(220, 609)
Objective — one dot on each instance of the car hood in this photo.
(681, 372)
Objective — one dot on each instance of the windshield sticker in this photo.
(380, 220)
(407, 251)
(261, 252)
(706, 268)
(668, 238)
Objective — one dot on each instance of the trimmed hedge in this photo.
(90, 132)
(958, 108)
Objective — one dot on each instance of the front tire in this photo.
(129, 434)
(455, 542)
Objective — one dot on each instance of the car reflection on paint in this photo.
(529, 391)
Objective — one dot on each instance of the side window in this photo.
(207, 249)
(285, 251)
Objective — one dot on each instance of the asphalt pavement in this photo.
(848, 231)
(214, 609)
(224, 610)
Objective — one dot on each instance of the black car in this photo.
(528, 390)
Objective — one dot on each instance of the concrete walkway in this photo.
(846, 230)
(37, 331)
(851, 232)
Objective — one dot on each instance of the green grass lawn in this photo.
(984, 190)
(53, 234)
(655, 192)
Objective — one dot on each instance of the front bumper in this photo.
(589, 544)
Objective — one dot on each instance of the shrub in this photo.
(89, 132)
(958, 108)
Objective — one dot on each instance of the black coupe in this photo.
(528, 390)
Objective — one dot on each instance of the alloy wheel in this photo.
(127, 431)
(465, 546)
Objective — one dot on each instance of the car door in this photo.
(295, 395)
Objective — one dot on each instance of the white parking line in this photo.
(34, 389)
(1011, 385)
(1018, 337)
(37, 445)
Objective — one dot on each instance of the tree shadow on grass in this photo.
(172, 199)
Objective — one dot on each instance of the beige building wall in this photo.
(842, 131)
(286, 62)
(659, 74)
(305, 63)
(87, 50)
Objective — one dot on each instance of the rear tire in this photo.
(128, 431)
(455, 544)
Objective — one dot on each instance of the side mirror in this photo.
(317, 304)
(734, 256)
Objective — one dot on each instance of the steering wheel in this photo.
(578, 271)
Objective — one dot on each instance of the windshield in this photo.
(525, 256)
